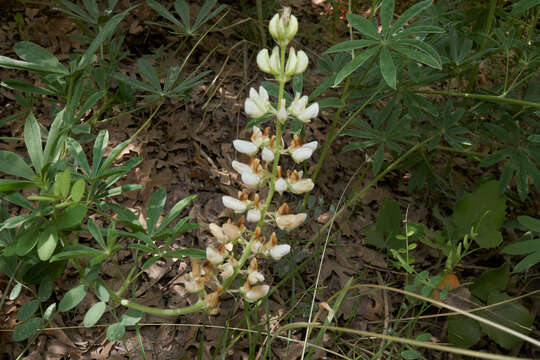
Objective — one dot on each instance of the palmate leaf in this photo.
(364, 26)
(354, 64)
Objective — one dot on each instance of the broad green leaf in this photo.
(410, 354)
(530, 223)
(13, 164)
(14, 293)
(92, 8)
(174, 212)
(72, 216)
(386, 13)
(47, 242)
(131, 317)
(116, 331)
(94, 314)
(53, 146)
(34, 53)
(529, 260)
(26, 240)
(150, 261)
(351, 45)
(172, 76)
(90, 102)
(491, 281)
(115, 191)
(495, 157)
(8, 185)
(15, 221)
(485, 210)
(409, 14)
(522, 6)
(204, 13)
(417, 55)
(27, 310)
(364, 26)
(72, 298)
(522, 247)
(46, 287)
(32, 140)
(115, 152)
(96, 233)
(62, 184)
(388, 69)
(182, 9)
(77, 190)
(101, 291)
(29, 66)
(354, 64)
(155, 208)
(512, 315)
(463, 332)
(26, 329)
(378, 158)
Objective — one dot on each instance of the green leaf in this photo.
(29, 66)
(8, 185)
(409, 14)
(417, 55)
(161, 10)
(512, 315)
(331, 102)
(26, 329)
(388, 69)
(155, 208)
(386, 13)
(192, 253)
(77, 152)
(94, 314)
(96, 233)
(13, 164)
(174, 212)
(491, 281)
(463, 332)
(172, 76)
(149, 262)
(495, 157)
(72, 216)
(26, 240)
(410, 354)
(76, 251)
(522, 6)
(530, 223)
(354, 64)
(27, 310)
(100, 144)
(47, 314)
(350, 45)
(388, 225)
(62, 184)
(72, 298)
(34, 53)
(131, 317)
(485, 210)
(22, 86)
(150, 73)
(116, 331)
(47, 243)
(14, 293)
(54, 146)
(182, 9)
(364, 26)
(46, 287)
(378, 158)
(118, 190)
(77, 190)
(32, 140)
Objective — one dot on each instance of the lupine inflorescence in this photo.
(236, 243)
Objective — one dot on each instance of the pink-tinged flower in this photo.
(257, 292)
(279, 251)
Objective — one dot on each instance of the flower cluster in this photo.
(242, 242)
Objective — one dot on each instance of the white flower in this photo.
(257, 137)
(275, 61)
(256, 246)
(253, 215)
(192, 286)
(280, 186)
(217, 232)
(231, 232)
(234, 204)
(290, 222)
(257, 104)
(213, 255)
(267, 154)
(240, 167)
(255, 277)
(311, 112)
(251, 179)
(263, 61)
(279, 251)
(245, 147)
(298, 104)
(227, 270)
(304, 152)
(301, 62)
(257, 292)
(301, 186)
(290, 68)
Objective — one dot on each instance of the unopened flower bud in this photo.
(284, 27)
(263, 61)
(253, 215)
(251, 179)
(290, 68)
(280, 185)
(302, 62)
(282, 112)
(267, 154)
(275, 61)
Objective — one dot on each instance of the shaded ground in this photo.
(188, 150)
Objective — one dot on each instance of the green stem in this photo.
(479, 96)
